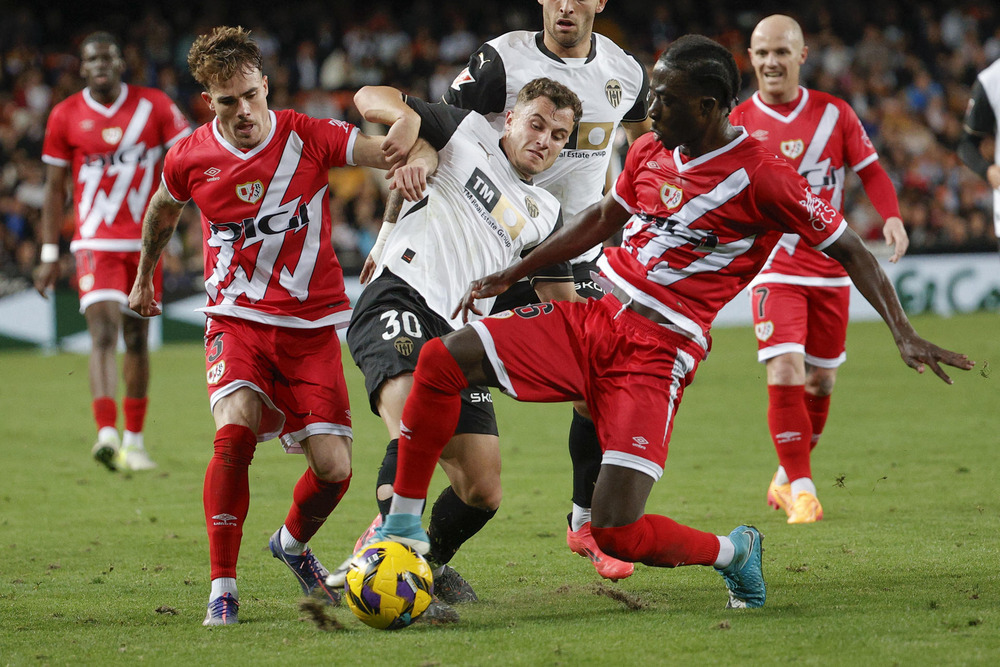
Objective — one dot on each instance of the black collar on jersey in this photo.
(540, 43)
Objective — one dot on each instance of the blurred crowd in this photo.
(905, 67)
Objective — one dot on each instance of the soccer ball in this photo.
(388, 585)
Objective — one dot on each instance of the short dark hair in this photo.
(100, 37)
(708, 64)
(561, 96)
(220, 55)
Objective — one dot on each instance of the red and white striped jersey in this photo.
(820, 135)
(702, 228)
(115, 154)
(266, 219)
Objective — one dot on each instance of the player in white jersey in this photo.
(482, 210)
(107, 143)
(612, 86)
(275, 298)
(982, 120)
(800, 298)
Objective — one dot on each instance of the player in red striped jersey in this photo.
(800, 298)
(275, 297)
(107, 143)
(702, 205)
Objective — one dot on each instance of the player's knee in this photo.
(136, 341)
(820, 381)
(330, 458)
(235, 445)
(438, 370)
(484, 494)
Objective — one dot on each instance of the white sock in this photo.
(132, 439)
(289, 544)
(803, 485)
(727, 551)
(581, 515)
(403, 505)
(108, 434)
(223, 585)
(781, 477)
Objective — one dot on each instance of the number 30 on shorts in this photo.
(396, 322)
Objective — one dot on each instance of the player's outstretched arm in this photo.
(53, 205)
(385, 105)
(875, 286)
(157, 227)
(588, 228)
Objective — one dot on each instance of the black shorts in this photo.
(391, 322)
(522, 293)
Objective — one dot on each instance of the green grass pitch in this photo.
(100, 568)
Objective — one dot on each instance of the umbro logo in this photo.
(224, 520)
(653, 164)
(787, 436)
(640, 442)
(213, 173)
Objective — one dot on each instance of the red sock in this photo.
(659, 541)
(227, 496)
(818, 408)
(790, 428)
(135, 413)
(105, 412)
(312, 502)
(429, 418)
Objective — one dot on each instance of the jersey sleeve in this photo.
(173, 124)
(56, 149)
(640, 110)
(858, 148)
(624, 190)
(980, 116)
(482, 85)
(173, 173)
(331, 139)
(784, 196)
(438, 121)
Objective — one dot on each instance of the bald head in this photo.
(779, 25)
(777, 51)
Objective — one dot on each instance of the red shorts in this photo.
(630, 371)
(297, 372)
(811, 321)
(108, 276)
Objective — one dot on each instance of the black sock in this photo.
(387, 475)
(585, 452)
(452, 523)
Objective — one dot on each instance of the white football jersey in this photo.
(477, 217)
(611, 84)
(984, 118)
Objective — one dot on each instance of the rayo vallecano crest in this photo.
(792, 148)
(111, 135)
(250, 192)
(671, 195)
(613, 91)
(532, 206)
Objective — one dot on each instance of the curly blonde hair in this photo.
(220, 55)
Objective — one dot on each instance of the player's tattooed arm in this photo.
(157, 227)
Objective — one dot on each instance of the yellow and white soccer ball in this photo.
(388, 585)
